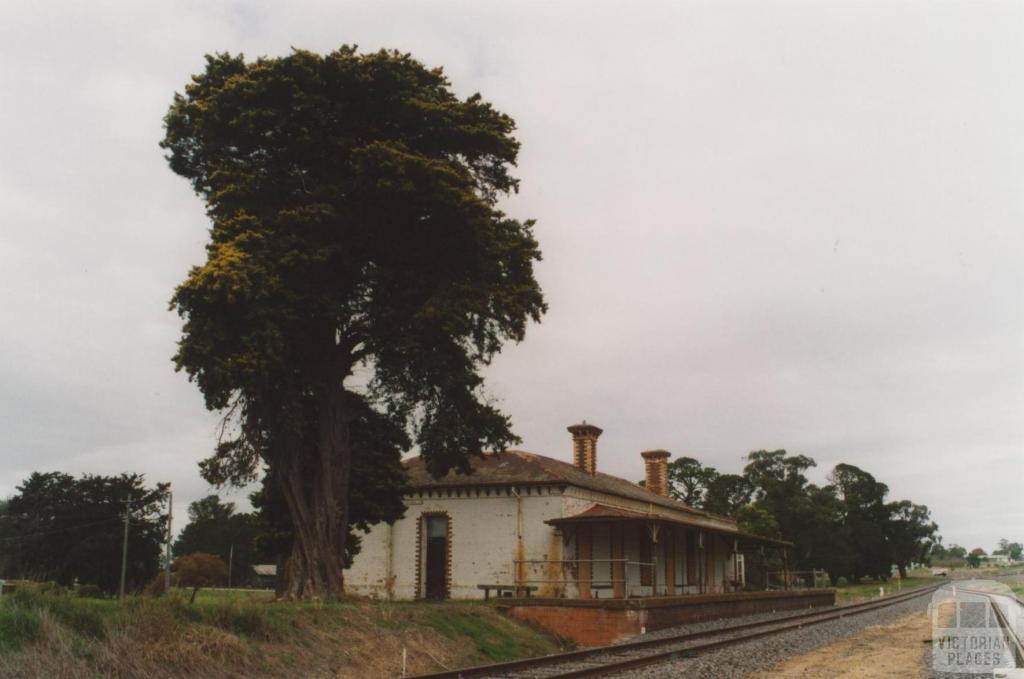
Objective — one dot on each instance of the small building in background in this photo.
(264, 575)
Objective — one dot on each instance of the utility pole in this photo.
(167, 564)
(231, 563)
(124, 547)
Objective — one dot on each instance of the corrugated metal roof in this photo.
(517, 467)
(600, 512)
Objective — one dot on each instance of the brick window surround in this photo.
(421, 586)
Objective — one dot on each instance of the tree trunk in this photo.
(903, 570)
(315, 478)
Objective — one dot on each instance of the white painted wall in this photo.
(486, 531)
(485, 534)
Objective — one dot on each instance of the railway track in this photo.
(1005, 620)
(605, 660)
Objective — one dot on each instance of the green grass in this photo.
(47, 627)
(868, 589)
(495, 638)
(18, 626)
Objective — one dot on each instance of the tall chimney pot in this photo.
(656, 471)
(584, 446)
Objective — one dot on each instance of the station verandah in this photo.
(613, 553)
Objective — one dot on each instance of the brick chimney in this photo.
(584, 446)
(656, 471)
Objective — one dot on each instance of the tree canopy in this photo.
(61, 528)
(846, 527)
(359, 275)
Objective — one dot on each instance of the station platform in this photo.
(598, 622)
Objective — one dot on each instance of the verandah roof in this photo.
(601, 513)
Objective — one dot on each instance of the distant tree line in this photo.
(847, 528)
(71, 530)
(68, 530)
(955, 555)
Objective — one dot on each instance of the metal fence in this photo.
(566, 571)
(784, 580)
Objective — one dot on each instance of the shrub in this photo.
(90, 592)
(81, 618)
(240, 618)
(81, 615)
(157, 587)
(199, 570)
(18, 625)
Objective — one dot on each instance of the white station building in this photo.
(526, 524)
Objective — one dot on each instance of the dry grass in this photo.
(226, 638)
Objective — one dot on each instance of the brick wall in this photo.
(597, 623)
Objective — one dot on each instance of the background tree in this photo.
(688, 480)
(864, 521)
(358, 277)
(214, 527)
(56, 527)
(199, 570)
(726, 493)
(974, 558)
(778, 481)
(274, 534)
(910, 534)
(1011, 549)
(957, 552)
(756, 521)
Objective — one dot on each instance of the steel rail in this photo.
(826, 616)
(1013, 641)
(504, 668)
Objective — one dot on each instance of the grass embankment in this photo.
(58, 635)
(869, 589)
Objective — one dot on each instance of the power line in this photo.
(61, 530)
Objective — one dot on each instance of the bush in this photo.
(90, 592)
(83, 619)
(18, 625)
(157, 587)
(80, 615)
(240, 618)
(199, 570)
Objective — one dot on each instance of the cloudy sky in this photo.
(765, 225)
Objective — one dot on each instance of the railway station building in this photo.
(527, 525)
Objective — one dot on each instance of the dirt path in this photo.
(893, 650)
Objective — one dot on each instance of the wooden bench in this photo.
(506, 590)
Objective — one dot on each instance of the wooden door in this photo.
(437, 557)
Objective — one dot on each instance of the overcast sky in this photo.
(765, 225)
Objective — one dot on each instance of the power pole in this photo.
(167, 564)
(124, 547)
(231, 563)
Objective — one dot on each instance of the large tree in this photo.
(910, 533)
(359, 275)
(865, 521)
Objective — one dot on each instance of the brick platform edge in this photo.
(600, 622)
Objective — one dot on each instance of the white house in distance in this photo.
(533, 524)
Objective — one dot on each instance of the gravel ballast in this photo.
(761, 654)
